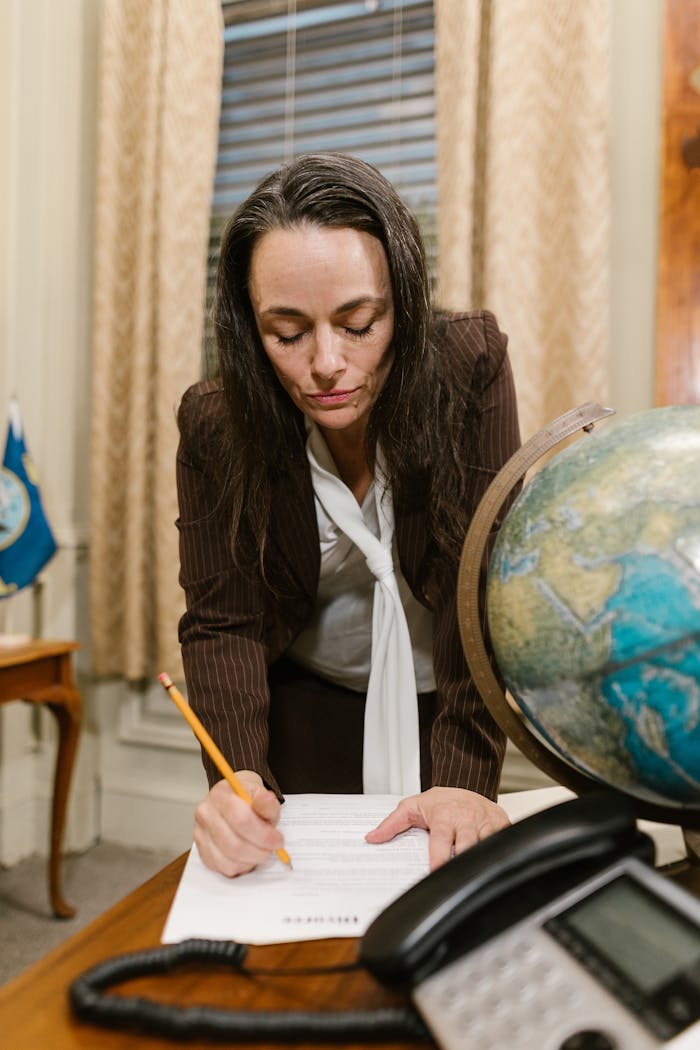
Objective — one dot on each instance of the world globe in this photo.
(593, 607)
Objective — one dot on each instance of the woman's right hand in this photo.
(233, 836)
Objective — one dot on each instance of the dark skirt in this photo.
(317, 728)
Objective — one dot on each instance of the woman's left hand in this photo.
(454, 817)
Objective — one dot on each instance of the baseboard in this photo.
(147, 822)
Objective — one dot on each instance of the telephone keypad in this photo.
(494, 1005)
(520, 991)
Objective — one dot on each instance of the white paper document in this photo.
(337, 885)
(339, 882)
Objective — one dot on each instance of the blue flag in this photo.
(26, 540)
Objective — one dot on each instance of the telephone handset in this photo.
(481, 890)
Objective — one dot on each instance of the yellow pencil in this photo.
(210, 747)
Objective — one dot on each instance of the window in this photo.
(351, 75)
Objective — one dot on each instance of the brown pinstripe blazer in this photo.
(233, 630)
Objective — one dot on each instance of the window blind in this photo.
(351, 75)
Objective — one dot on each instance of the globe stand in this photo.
(471, 619)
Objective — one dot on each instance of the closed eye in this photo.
(289, 340)
(360, 333)
(355, 333)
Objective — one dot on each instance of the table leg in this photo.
(68, 714)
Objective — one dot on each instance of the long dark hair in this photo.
(411, 413)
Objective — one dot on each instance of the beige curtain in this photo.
(160, 89)
(523, 186)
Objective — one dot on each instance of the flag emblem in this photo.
(14, 508)
(26, 540)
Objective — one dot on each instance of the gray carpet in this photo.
(92, 881)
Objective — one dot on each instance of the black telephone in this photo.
(556, 933)
(485, 889)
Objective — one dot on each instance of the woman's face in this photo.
(323, 307)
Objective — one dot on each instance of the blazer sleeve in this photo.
(467, 747)
(222, 630)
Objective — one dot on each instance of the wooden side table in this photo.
(40, 672)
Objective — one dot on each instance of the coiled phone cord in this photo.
(90, 1002)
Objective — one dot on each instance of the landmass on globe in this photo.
(593, 601)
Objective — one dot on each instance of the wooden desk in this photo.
(34, 1010)
(40, 672)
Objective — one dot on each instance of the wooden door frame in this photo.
(678, 280)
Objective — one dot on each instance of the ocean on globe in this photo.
(593, 601)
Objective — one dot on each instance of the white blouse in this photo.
(336, 643)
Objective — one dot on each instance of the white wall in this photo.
(139, 774)
(47, 60)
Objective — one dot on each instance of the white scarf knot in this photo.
(380, 563)
(391, 749)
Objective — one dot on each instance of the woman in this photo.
(326, 482)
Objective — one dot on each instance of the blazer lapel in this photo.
(293, 536)
(412, 545)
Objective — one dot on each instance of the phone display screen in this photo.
(640, 947)
(639, 934)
